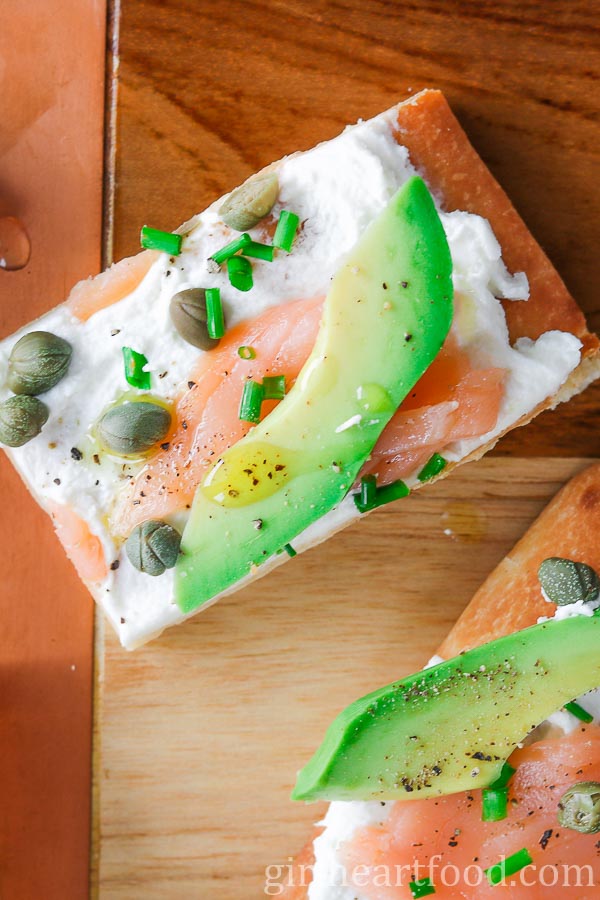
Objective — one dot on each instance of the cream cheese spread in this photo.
(337, 188)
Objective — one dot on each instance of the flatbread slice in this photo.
(518, 345)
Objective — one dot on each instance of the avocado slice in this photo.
(385, 318)
(450, 728)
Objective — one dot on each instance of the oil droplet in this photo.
(463, 521)
(248, 473)
(373, 398)
(15, 247)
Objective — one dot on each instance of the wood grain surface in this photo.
(51, 148)
(200, 734)
(203, 731)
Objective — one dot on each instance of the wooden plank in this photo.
(203, 731)
(52, 88)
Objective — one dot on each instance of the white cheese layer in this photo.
(337, 188)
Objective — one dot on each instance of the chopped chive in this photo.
(232, 248)
(509, 866)
(274, 387)
(251, 402)
(246, 352)
(494, 804)
(259, 251)
(165, 241)
(433, 467)
(421, 888)
(579, 712)
(215, 324)
(503, 778)
(134, 369)
(368, 492)
(286, 230)
(369, 499)
(391, 492)
(289, 550)
(239, 271)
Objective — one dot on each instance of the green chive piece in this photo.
(289, 550)
(494, 805)
(370, 496)
(509, 866)
(274, 387)
(259, 251)
(421, 888)
(246, 352)
(165, 241)
(251, 402)
(368, 492)
(503, 778)
(391, 492)
(134, 369)
(433, 467)
(232, 248)
(215, 324)
(579, 712)
(286, 230)
(239, 271)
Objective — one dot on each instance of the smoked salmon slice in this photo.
(449, 403)
(83, 548)
(206, 420)
(451, 843)
(121, 279)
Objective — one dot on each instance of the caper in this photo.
(565, 581)
(153, 547)
(133, 427)
(21, 419)
(188, 315)
(37, 362)
(251, 202)
(579, 807)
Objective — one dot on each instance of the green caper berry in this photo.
(133, 427)
(251, 202)
(565, 581)
(579, 808)
(153, 547)
(21, 419)
(37, 362)
(188, 315)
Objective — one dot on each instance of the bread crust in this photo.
(510, 599)
(442, 152)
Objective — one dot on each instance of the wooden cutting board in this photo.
(202, 732)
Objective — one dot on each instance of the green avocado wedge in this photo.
(450, 728)
(385, 318)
